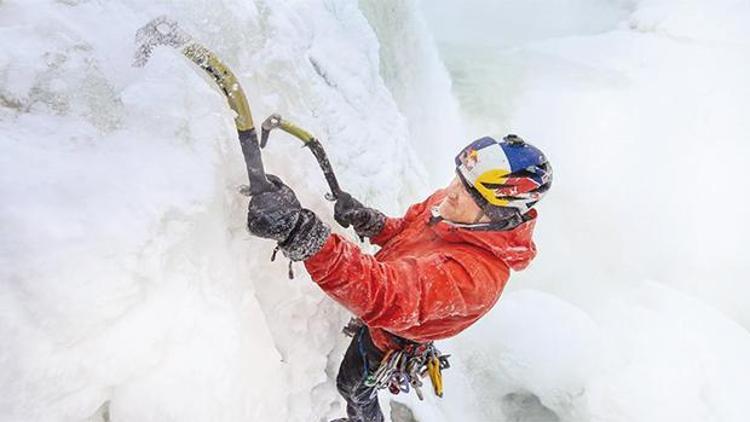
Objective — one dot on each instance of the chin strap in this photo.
(509, 223)
(480, 215)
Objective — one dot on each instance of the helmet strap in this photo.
(479, 216)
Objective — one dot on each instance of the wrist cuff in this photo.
(373, 225)
(307, 238)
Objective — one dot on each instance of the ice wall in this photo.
(129, 288)
(416, 76)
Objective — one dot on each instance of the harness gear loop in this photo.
(402, 370)
(352, 327)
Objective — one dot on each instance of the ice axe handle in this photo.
(325, 165)
(254, 163)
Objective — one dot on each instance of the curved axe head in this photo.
(159, 31)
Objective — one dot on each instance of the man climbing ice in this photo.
(440, 268)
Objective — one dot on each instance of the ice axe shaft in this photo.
(163, 31)
(276, 121)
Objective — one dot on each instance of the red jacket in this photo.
(428, 282)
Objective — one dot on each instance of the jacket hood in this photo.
(515, 246)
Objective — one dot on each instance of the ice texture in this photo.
(160, 31)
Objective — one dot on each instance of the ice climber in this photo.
(440, 268)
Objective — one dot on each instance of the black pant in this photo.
(361, 358)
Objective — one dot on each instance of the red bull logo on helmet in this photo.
(506, 174)
(468, 158)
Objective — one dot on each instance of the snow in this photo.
(131, 291)
(643, 234)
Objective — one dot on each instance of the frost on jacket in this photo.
(429, 281)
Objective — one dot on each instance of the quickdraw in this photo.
(401, 371)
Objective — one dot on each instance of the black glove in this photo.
(278, 215)
(273, 214)
(367, 222)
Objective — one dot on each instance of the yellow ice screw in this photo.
(436, 376)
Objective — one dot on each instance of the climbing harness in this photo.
(402, 370)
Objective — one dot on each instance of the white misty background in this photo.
(130, 290)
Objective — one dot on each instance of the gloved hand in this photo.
(273, 214)
(278, 215)
(367, 222)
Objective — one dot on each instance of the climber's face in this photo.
(458, 205)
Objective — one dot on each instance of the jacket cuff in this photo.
(374, 226)
(307, 238)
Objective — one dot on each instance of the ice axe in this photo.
(275, 121)
(164, 31)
